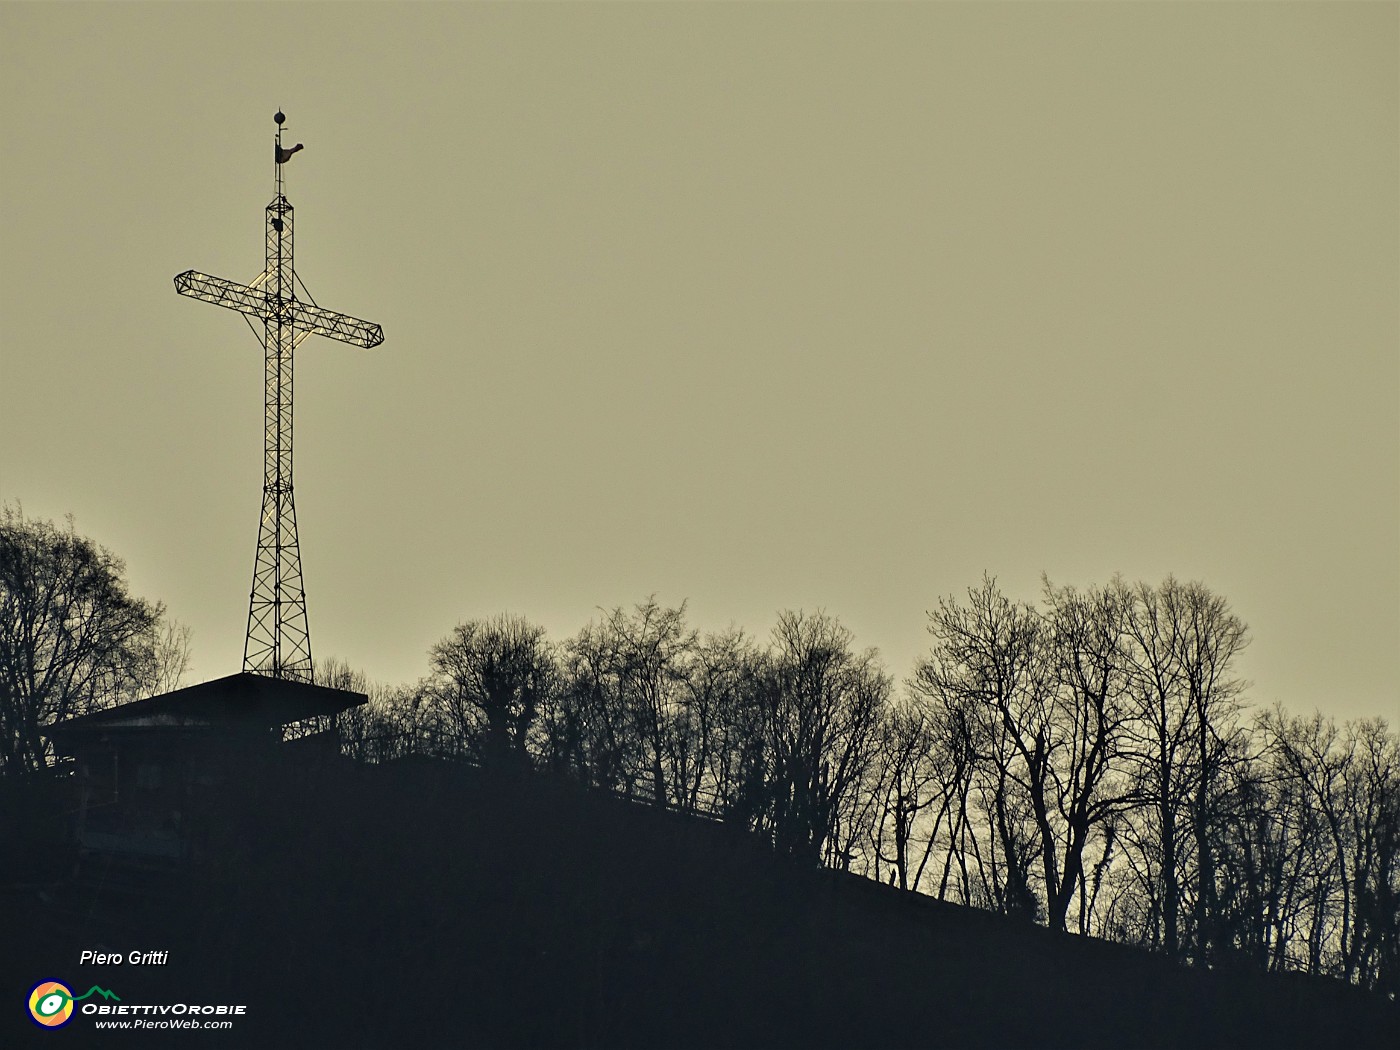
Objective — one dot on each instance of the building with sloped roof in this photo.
(150, 775)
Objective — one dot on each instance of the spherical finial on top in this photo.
(279, 116)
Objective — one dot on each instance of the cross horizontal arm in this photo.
(306, 317)
(224, 293)
(347, 329)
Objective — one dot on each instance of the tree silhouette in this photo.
(72, 638)
(820, 707)
(490, 679)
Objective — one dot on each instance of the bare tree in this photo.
(988, 662)
(954, 758)
(72, 638)
(1163, 726)
(820, 705)
(651, 651)
(625, 719)
(722, 719)
(587, 731)
(1373, 791)
(1090, 661)
(904, 785)
(1210, 638)
(387, 727)
(1076, 718)
(1185, 728)
(171, 658)
(490, 680)
(1350, 779)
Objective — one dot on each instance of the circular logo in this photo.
(50, 1004)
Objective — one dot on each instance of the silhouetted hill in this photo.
(434, 905)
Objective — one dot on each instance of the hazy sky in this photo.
(759, 306)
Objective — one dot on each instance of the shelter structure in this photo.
(153, 776)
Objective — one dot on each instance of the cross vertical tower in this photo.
(278, 642)
(278, 639)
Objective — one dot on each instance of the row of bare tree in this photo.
(783, 737)
(1088, 762)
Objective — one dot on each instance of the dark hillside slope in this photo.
(418, 904)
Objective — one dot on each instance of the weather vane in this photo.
(278, 641)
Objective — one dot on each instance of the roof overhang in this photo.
(240, 701)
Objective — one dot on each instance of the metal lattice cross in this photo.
(278, 641)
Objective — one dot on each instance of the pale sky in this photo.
(756, 306)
